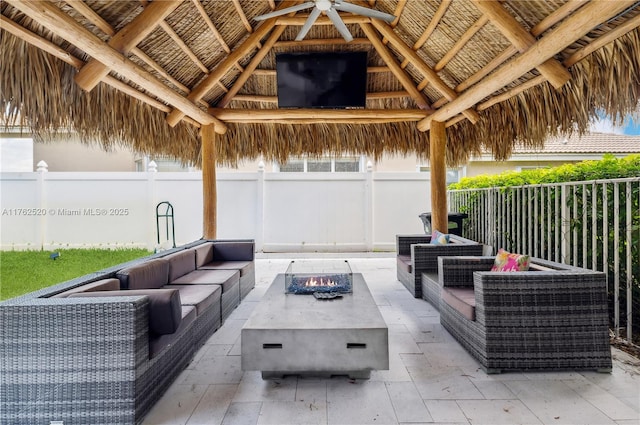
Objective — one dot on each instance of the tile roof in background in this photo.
(587, 144)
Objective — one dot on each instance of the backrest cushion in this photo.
(439, 238)
(110, 284)
(204, 254)
(181, 263)
(165, 311)
(233, 251)
(509, 262)
(152, 274)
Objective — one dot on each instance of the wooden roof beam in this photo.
(522, 40)
(226, 64)
(574, 27)
(64, 26)
(397, 12)
(422, 67)
(243, 17)
(307, 116)
(538, 29)
(97, 20)
(63, 55)
(321, 42)
(394, 66)
(442, 9)
(255, 61)
(462, 41)
(212, 27)
(129, 37)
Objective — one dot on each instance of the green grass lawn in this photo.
(26, 271)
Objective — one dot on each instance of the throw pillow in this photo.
(509, 262)
(438, 238)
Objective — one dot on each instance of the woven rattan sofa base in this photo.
(86, 360)
(423, 257)
(535, 320)
(431, 289)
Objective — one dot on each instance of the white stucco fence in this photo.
(283, 212)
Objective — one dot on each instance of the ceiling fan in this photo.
(331, 8)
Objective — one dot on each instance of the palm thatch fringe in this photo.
(39, 91)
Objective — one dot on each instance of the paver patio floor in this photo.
(431, 378)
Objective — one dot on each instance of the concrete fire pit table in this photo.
(293, 334)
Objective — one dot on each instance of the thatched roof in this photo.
(450, 61)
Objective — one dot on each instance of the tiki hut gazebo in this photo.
(196, 79)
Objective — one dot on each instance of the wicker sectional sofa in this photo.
(103, 348)
(552, 317)
(416, 255)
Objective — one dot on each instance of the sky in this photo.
(605, 125)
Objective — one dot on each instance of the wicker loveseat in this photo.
(416, 255)
(552, 317)
(103, 348)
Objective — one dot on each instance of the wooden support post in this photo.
(209, 192)
(438, 167)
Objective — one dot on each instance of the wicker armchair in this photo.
(552, 317)
(415, 255)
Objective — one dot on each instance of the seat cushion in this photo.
(404, 261)
(165, 309)
(244, 266)
(157, 343)
(461, 299)
(152, 274)
(226, 278)
(199, 296)
(181, 263)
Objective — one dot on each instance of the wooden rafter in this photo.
(397, 12)
(255, 61)
(306, 116)
(442, 9)
(243, 17)
(64, 26)
(141, 26)
(225, 65)
(105, 27)
(574, 27)
(212, 27)
(538, 29)
(422, 67)
(522, 40)
(63, 55)
(394, 66)
(321, 42)
(462, 41)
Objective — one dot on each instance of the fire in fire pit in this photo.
(308, 277)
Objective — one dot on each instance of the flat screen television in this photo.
(322, 80)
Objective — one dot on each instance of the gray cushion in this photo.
(181, 263)
(111, 284)
(158, 343)
(200, 296)
(462, 299)
(404, 262)
(204, 254)
(152, 274)
(245, 267)
(165, 310)
(233, 251)
(226, 278)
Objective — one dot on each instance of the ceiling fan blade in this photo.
(339, 24)
(308, 23)
(364, 11)
(285, 11)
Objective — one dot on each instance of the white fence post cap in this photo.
(43, 167)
